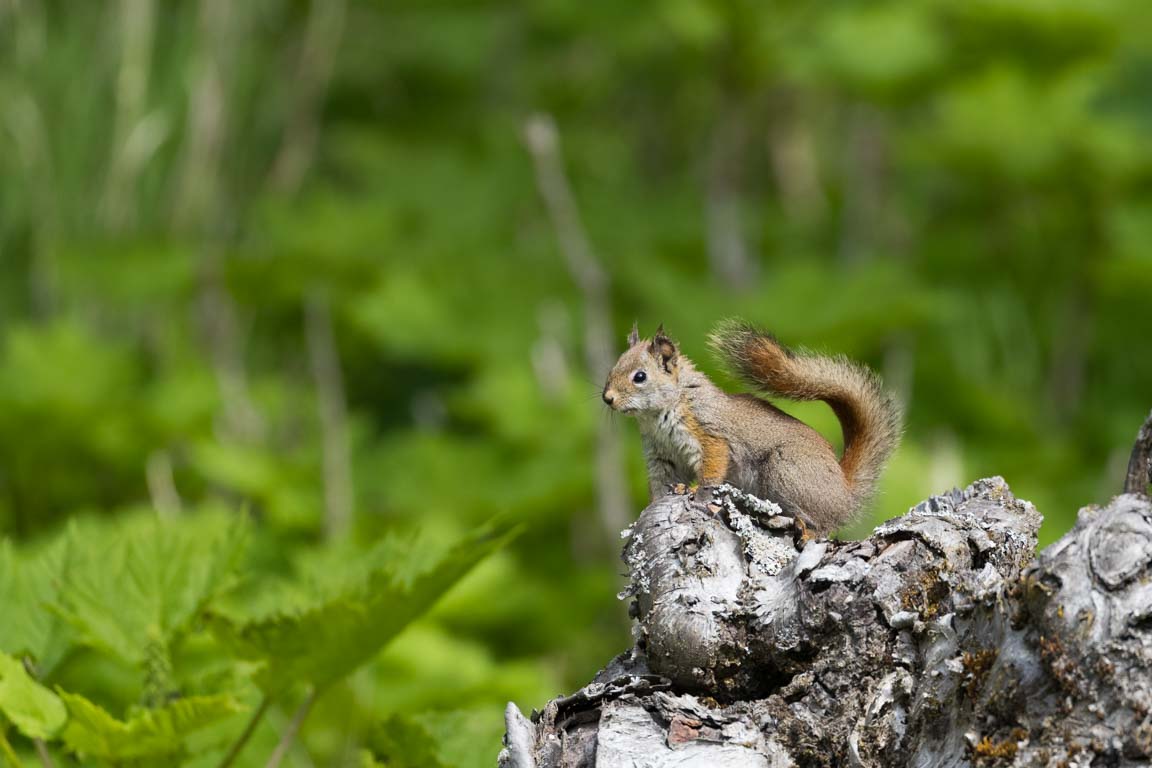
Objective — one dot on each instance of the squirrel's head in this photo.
(646, 378)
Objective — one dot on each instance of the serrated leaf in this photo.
(33, 709)
(93, 732)
(323, 643)
(28, 586)
(141, 583)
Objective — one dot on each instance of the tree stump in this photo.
(940, 641)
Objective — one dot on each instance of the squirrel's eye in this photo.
(639, 377)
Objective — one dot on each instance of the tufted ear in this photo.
(663, 349)
(634, 335)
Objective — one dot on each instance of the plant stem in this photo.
(10, 755)
(290, 731)
(247, 734)
(41, 748)
(324, 359)
(588, 273)
(43, 753)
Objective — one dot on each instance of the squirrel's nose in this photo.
(609, 396)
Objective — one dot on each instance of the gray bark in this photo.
(941, 640)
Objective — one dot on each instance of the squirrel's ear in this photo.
(634, 335)
(663, 349)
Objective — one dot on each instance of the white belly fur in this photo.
(669, 438)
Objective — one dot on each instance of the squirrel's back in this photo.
(869, 416)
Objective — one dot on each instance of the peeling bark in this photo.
(941, 640)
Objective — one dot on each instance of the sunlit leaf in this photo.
(143, 581)
(28, 585)
(32, 708)
(93, 732)
(323, 643)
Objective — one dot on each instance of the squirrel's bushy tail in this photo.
(869, 416)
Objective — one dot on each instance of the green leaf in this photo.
(28, 586)
(31, 707)
(367, 760)
(878, 46)
(92, 732)
(465, 738)
(138, 585)
(324, 642)
(461, 738)
(403, 742)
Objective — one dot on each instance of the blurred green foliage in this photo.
(280, 292)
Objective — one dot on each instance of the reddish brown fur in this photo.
(716, 454)
(693, 431)
(869, 417)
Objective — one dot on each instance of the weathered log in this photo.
(939, 641)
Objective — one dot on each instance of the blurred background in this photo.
(360, 267)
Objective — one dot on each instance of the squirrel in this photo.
(694, 431)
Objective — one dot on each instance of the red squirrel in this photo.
(693, 431)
